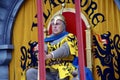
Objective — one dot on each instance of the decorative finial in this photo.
(59, 16)
(63, 6)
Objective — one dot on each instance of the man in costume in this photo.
(60, 50)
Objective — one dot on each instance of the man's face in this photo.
(57, 27)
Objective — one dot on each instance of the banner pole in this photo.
(80, 40)
(41, 55)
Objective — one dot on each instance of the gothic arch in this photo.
(8, 12)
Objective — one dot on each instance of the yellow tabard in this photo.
(63, 65)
